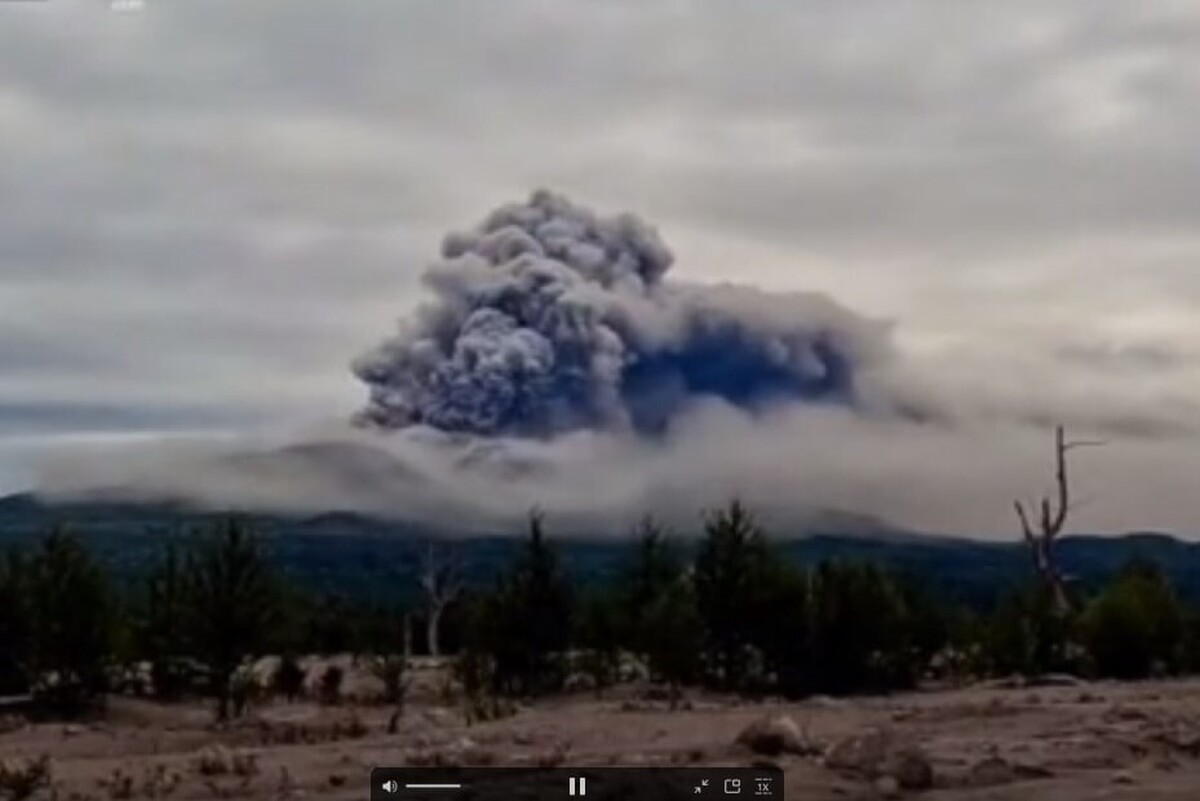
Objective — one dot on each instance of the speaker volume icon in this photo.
(391, 786)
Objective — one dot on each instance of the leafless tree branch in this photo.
(1052, 518)
(1084, 443)
(442, 580)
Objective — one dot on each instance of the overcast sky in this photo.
(211, 206)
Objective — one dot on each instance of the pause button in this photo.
(577, 786)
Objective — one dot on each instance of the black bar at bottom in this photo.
(586, 784)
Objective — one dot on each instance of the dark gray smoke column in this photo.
(548, 318)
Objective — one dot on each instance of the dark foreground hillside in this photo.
(365, 558)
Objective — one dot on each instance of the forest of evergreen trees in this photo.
(735, 617)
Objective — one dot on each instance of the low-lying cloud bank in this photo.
(557, 364)
(790, 463)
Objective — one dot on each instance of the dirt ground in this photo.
(1064, 740)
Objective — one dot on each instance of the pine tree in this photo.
(674, 637)
(732, 566)
(599, 636)
(525, 623)
(71, 621)
(162, 631)
(653, 569)
(859, 630)
(14, 623)
(230, 604)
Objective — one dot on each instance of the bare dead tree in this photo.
(442, 580)
(1052, 517)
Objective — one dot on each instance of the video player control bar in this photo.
(594, 784)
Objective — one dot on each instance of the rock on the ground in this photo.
(887, 786)
(1182, 737)
(774, 735)
(990, 772)
(860, 755)
(825, 702)
(469, 752)
(911, 769)
(995, 770)
(1119, 712)
(1055, 680)
(214, 760)
(874, 755)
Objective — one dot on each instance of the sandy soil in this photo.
(1073, 741)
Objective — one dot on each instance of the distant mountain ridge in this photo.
(367, 557)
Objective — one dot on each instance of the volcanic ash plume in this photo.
(549, 318)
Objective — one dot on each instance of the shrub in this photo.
(1189, 642)
(288, 680)
(329, 691)
(1027, 634)
(484, 707)
(391, 670)
(21, 778)
(475, 672)
(1135, 627)
(245, 688)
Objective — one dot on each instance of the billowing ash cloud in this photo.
(549, 318)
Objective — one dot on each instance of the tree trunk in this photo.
(432, 625)
(394, 721)
(224, 679)
(223, 704)
(1058, 594)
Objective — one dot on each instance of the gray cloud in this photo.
(790, 465)
(208, 207)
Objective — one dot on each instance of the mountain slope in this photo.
(372, 558)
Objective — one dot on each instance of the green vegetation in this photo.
(599, 638)
(70, 608)
(1135, 627)
(731, 612)
(732, 570)
(523, 625)
(14, 623)
(209, 604)
(230, 604)
(860, 632)
(675, 638)
(741, 617)
(160, 628)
